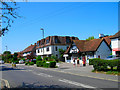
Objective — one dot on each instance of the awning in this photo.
(116, 49)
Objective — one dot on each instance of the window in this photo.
(48, 49)
(56, 40)
(68, 40)
(47, 41)
(56, 48)
(38, 51)
(56, 55)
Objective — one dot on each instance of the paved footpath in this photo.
(81, 71)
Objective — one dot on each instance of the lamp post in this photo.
(6, 48)
(43, 39)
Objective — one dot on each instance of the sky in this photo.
(79, 19)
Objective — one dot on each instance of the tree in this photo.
(7, 56)
(61, 52)
(6, 52)
(90, 38)
(8, 15)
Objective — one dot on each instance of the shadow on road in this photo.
(4, 68)
(35, 85)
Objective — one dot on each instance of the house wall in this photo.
(52, 50)
(103, 51)
(115, 43)
(25, 54)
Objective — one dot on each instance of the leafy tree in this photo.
(6, 52)
(90, 38)
(61, 52)
(7, 56)
(8, 15)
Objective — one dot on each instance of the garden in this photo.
(105, 66)
(47, 62)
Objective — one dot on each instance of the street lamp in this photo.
(43, 39)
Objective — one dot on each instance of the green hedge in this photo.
(39, 63)
(31, 63)
(47, 64)
(26, 63)
(100, 64)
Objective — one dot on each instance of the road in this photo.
(37, 77)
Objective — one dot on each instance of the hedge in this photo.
(100, 64)
(47, 64)
(26, 63)
(39, 63)
(31, 63)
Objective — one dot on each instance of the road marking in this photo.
(6, 83)
(42, 74)
(76, 83)
(84, 75)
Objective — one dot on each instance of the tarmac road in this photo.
(37, 77)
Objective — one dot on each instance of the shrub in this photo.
(52, 64)
(39, 63)
(45, 58)
(26, 63)
(101, 65)
(38, 58)
(46, 64)
(16, 62)
(31, 63)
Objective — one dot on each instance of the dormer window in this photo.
(68, 40)
(47, 41)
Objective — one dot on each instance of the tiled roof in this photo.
(116, 35)
(85, 45)
(108, 40)
(29, 48)
(61, 40)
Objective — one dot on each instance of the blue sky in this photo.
(80, 19)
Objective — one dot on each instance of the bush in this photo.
(39, 63)
(31, 63)
(101, 65)
(47, 64)
(52, 64)
(26, 63)
(38, 58)
(16, 62)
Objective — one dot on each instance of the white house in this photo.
(51, 45)
(96, 48)
(115, 44)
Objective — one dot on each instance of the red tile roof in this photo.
(116, 35)
(29, 48)
(61, 40)
(108, 40)
(85, 45)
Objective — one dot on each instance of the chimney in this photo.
(101, 35)
(35, 44)
(31, 44)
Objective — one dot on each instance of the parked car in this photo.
(112, 57)
(1, 62)
(21, 61)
